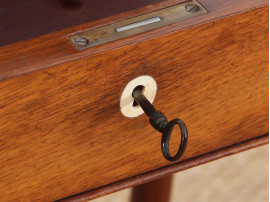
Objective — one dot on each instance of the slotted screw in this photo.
(81, 41)
(192, 8)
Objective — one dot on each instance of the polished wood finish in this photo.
(62, 131)
(154, 191)
(168, 170)
(22, 20)
(55, 48)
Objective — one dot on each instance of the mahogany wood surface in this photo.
(62, 132)
(21, 20)
(55, 48)
(154, 191)
(168, 170)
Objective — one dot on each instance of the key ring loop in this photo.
(160, 123)
(166, 136)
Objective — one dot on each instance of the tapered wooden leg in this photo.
(156, 191)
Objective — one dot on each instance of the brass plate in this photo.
(135, 25)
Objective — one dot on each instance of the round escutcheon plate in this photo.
(149, 88)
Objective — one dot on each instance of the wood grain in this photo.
(154, 191)
(55, 48)
(62, 132)
(168, 170)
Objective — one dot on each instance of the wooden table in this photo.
(62, 134)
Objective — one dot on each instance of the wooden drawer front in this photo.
(62, 132)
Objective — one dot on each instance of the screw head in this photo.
(81, 41)
(192, 8)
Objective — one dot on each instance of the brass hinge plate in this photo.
(136, 25)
